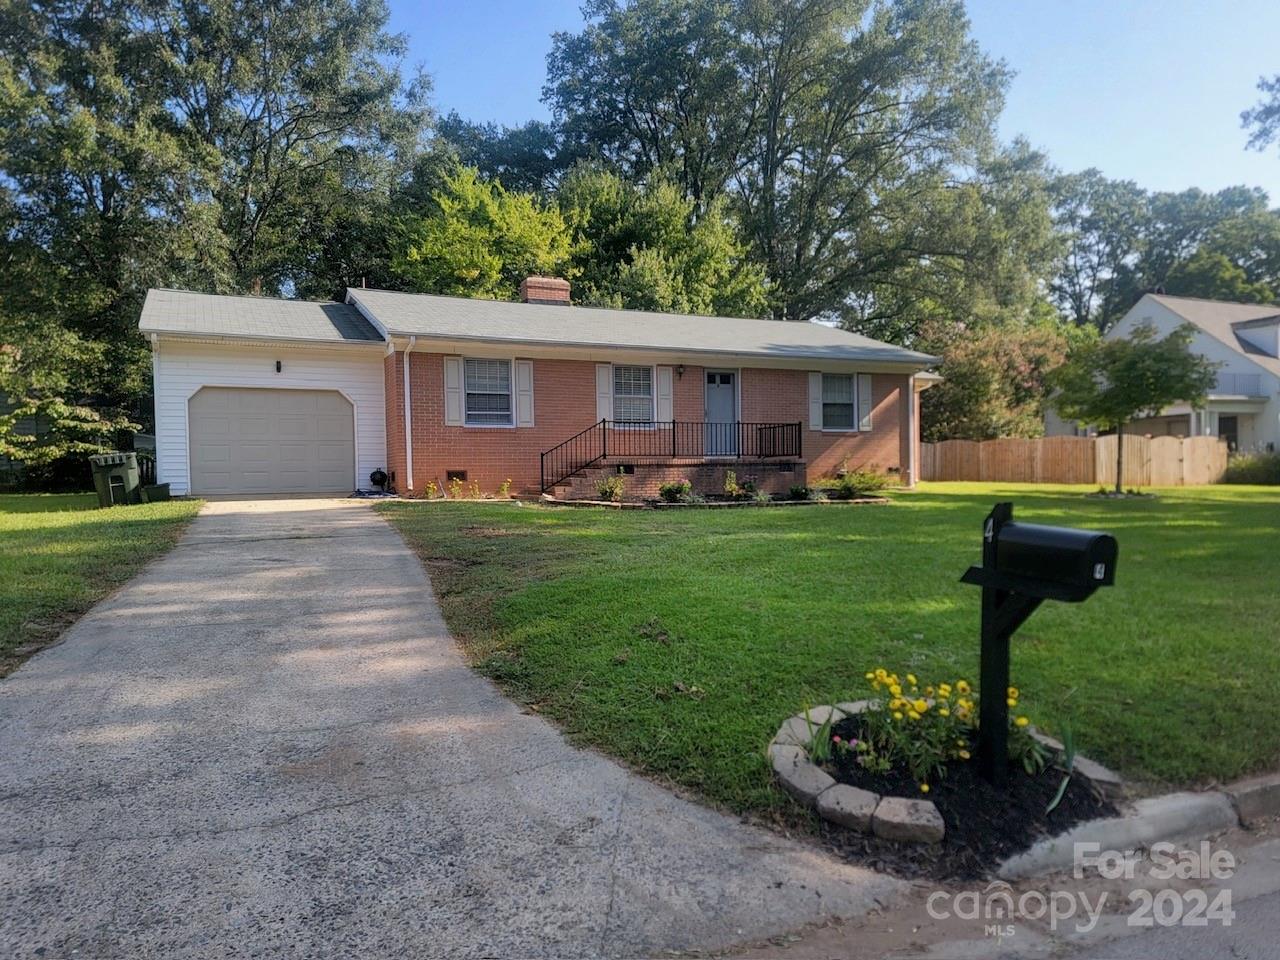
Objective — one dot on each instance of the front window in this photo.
(488, 390)
(837, 401)
(633, 394)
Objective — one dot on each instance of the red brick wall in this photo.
(565, 403)
(783, 396)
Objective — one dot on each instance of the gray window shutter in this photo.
(864, 401)
(524, 393)
(604, 391)
(453, 401)
(815, 401)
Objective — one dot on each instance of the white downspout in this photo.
(408, 419)
(913, 429)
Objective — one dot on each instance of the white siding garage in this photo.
(228, 422)
(258, 440)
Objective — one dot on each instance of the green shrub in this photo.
(611, 487)
(1257, 468)
(798, 491)
(854, 483)
(676, 491)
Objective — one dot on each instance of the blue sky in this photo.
(1149, 90)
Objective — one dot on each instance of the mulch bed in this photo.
(985, 826)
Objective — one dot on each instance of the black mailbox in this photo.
(1074, 558)
(1024, 564)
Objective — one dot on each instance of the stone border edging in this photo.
(890, 818)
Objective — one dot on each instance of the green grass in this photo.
(607, 620)
(59, 554)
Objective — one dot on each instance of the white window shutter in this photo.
(453, 409)
(864, 401)
(815, 401)
(604, 391)
(665, 405)
(524, 393)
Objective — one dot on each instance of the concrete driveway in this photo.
(268, 744)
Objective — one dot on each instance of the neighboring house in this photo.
(260, 396)
(1244, 406)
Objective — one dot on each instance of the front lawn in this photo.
(679, 640)
(59, 554)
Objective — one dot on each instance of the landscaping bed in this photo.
(984, 825)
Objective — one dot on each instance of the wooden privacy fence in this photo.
(1148, 461)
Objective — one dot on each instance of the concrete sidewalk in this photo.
(268, 744)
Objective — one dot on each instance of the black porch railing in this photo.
(673, 439)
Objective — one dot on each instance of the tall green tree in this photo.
(292, 108)
(528, 158)
(641, 247)
(1101, 222)
(996, 247)
(225, 146)
(824, 121)
(480, 240)
(1109, 383)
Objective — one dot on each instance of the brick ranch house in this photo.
(262, 396)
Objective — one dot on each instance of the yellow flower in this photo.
(913, 715)
(924, 788)
(911, 679)
(962, 686)
(897, 715)
(870, 675)
(944, 712)
(921, 706)
(1013, 692)
(880, 674)
(1021, 721)
(964, 754)
(944, 689)
(895, 690)
(1012, 702)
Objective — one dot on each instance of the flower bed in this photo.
(899, 767)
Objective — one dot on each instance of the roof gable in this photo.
(1223, 321)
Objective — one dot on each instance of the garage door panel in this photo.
(255, 440)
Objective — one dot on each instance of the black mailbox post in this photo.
(1024, 564)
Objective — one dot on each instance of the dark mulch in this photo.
(985, 826)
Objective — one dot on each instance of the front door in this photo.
(721, 413)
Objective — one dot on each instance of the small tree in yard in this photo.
(1109, 383)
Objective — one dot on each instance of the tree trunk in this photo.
(1120, 458)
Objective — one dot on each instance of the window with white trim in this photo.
(488, 393)
(838, 402)
(632, 394)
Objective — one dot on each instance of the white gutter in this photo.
(408, 419)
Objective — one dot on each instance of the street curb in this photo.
(1173, 816)
(1257, 797)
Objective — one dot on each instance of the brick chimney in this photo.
(544, 290)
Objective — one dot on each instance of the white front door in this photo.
(721, 413)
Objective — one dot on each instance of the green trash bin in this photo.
(115, 477)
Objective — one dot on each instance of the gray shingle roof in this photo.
(197, 314)
(457, 318)
(1220, 319)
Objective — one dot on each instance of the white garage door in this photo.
(271, 441)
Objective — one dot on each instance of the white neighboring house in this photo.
(1244, 407)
